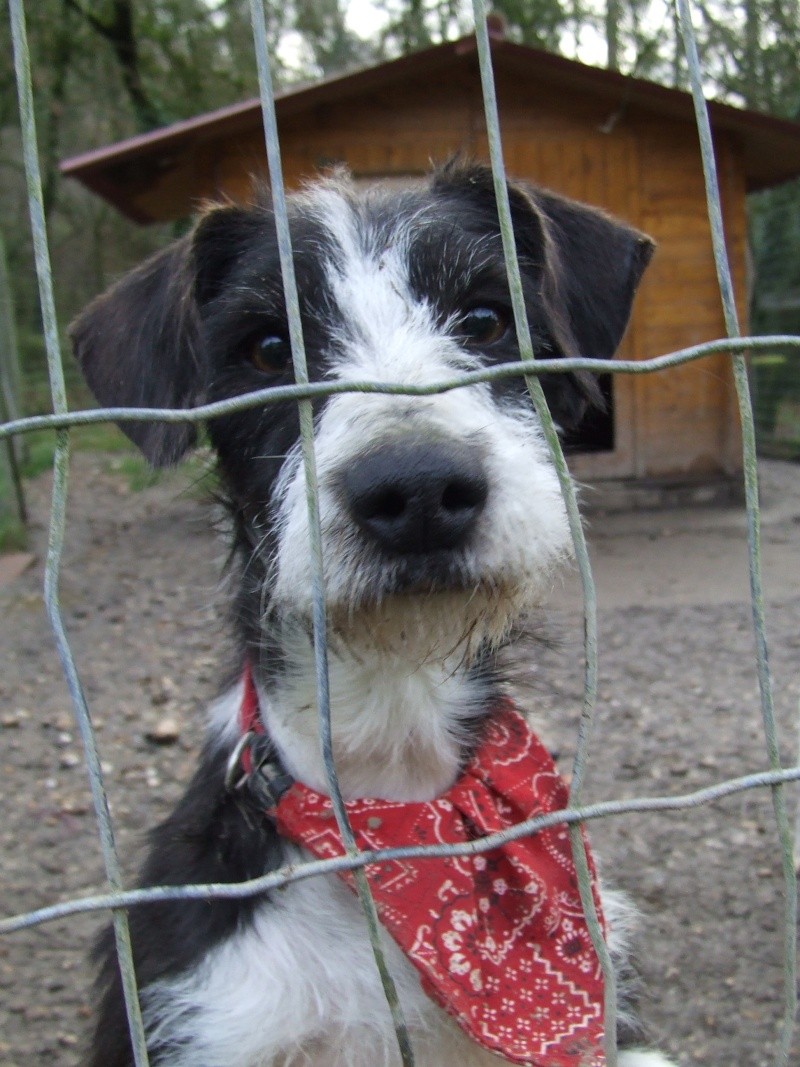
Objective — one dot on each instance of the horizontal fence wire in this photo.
(304, 392)
(296, 872)
(317, 390)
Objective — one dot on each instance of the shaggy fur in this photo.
(442, 527)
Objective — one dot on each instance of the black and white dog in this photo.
(442, 526)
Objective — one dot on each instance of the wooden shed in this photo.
(622, 143)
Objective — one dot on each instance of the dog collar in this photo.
(499, 939)
(254, 765)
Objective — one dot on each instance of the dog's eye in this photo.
(483, 325)
(271, 354)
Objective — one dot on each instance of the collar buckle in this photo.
(233, 780)
(261, 775)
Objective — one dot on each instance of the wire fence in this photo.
(775, 378)
(304, 392)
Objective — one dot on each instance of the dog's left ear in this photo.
(590, 264)
(595, 264)
(587, 267)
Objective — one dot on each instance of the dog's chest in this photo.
(299, 985)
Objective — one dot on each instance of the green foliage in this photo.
(750, 49)
(775, 382)
(136, 470)
(12, 527)
(13, 535)
(775, 241)
(196, 475)
(542, 23)
(107, 69)
(104, 70)
(331, 47)
(41, 445)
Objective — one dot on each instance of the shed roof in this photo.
(770, 145)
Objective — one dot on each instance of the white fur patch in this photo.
(223, 717)
(392, 336)
(400, 696)
(397, 725)
(298, 986)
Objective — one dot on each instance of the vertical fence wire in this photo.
(725, 281)
(576, 526)
(306, 414)
(55, 542)
(353, 855)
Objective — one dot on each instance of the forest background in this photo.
(109, 69)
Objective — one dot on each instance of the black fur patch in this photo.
(188, 327)
(212, 836)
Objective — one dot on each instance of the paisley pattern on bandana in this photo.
(499, 939)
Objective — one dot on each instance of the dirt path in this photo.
(678, 709)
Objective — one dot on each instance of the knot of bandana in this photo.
(499, 939)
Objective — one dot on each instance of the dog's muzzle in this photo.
(417, 498)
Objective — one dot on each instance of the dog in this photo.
(442, 527)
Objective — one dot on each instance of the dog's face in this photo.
(443, 513)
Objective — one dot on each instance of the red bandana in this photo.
(499, 939)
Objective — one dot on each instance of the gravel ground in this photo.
(678, 709)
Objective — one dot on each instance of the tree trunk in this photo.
(613, 18)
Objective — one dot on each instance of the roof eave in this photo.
(92, 168)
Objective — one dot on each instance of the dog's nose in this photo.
(414, 498)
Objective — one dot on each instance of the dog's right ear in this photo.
(140, 345)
